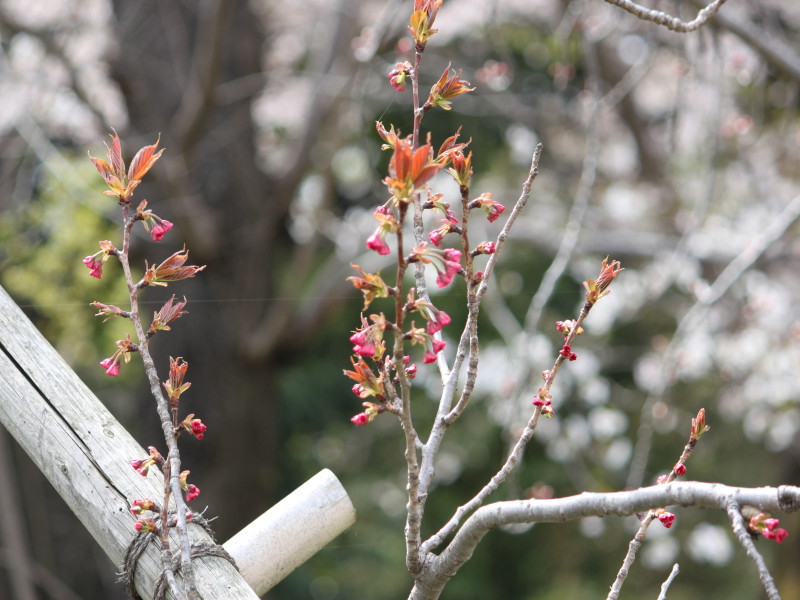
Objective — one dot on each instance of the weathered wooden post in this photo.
(85, 453)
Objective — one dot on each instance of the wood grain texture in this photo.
(85, 453)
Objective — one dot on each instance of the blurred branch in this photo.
(47, 38)
(693, 317)
(198, 100)
(668, 21)
(776, 52)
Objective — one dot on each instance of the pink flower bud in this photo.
(680, 469)
(360, 419)
(158, 231)
(111, 366)
(192, 492)
(95, 266)
(667, 519)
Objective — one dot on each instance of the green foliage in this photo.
(42, 245)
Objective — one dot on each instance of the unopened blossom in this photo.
(124, 348)
(667, 519)
(437, 235)
(778, 535)
(157, 233)
(567, 353)
(452, 265)
(95, 262)
(145, 525)
(398, 75)
(143, 465)
(94, 265)
(360, 419)
(680, 469)
(191, 491)
(436, 203)
(143, 505)
(194, 426)
(386, 224)
(438, 320)
(768, 527)
(492, 208)
(485, 248)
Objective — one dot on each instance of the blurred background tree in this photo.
(677, 154)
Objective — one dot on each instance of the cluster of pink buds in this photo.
(411, 167)
(767, 526)
(485, 248)
(194, 426)
(152, 222)
(190, 490)
(567, 353)
(95, 262)
(145, 525)
(143, 465)
(544, 401)
(124, 349)
(144, 505)
(666, 518)
(492, 208)
(398, 75)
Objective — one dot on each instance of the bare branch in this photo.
(693, 493)
(779, 54)
(665, 586)
(668, 21)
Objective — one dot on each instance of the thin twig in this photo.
(739, 528)
(637, 540)
(668, 21)
(445, 416)
(665, 586)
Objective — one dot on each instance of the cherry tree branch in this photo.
(439, 569)
(445, 416)
(665, 586)
(165, 416)
(668, 21)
